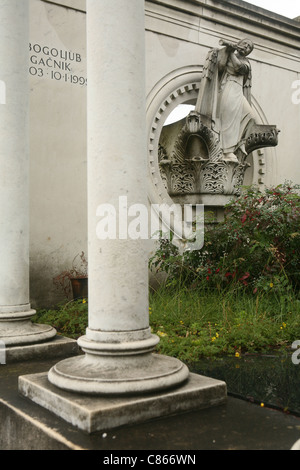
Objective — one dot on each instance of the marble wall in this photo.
(58, 81)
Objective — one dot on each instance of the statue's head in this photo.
(245, 46)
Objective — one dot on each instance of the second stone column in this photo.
(118, 344)
(16, 328)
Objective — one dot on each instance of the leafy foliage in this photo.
(255, 248)
(68, 319)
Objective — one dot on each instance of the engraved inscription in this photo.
(56, 64)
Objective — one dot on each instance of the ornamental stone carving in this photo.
(211, 148)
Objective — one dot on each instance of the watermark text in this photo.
(296, 354)
(296, 93)
(136, 221)
(2, 353)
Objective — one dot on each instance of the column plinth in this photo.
(17, 329)
(128, 369)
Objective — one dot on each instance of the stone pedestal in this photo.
(15, 311)
(92, 414)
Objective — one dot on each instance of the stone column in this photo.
(15, 311)
(118, 344)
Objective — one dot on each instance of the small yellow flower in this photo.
(262, 405)
(271, 284)
(213, 338)
(237, 354)
(161, 333)
(284, 325)
(84, 301)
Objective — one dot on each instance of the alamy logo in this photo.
(296, 354)
(296, 93)
(136, 221)
(2, 352)
(2, 92)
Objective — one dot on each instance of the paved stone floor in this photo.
(237, 425)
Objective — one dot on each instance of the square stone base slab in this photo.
(93, 414)
(59, 346)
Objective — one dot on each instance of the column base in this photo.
(118, 376)
(121, 365)
(16, 329)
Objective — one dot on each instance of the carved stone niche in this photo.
(195, 167)
(185, 157)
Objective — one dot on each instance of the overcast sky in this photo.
(288, 8)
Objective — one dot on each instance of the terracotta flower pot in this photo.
(79, 287)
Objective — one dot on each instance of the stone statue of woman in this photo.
(224, 99)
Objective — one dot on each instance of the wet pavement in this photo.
(271, 379)
(237, 425)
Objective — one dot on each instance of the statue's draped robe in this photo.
(224, 99)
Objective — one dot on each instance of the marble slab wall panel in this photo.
(58, 83)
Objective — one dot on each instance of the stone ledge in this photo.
(59, 346)
(21, 431)
(93, 414)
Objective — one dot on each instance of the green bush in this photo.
(255, 248)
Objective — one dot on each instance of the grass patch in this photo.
(193, 324)
(69, 319)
